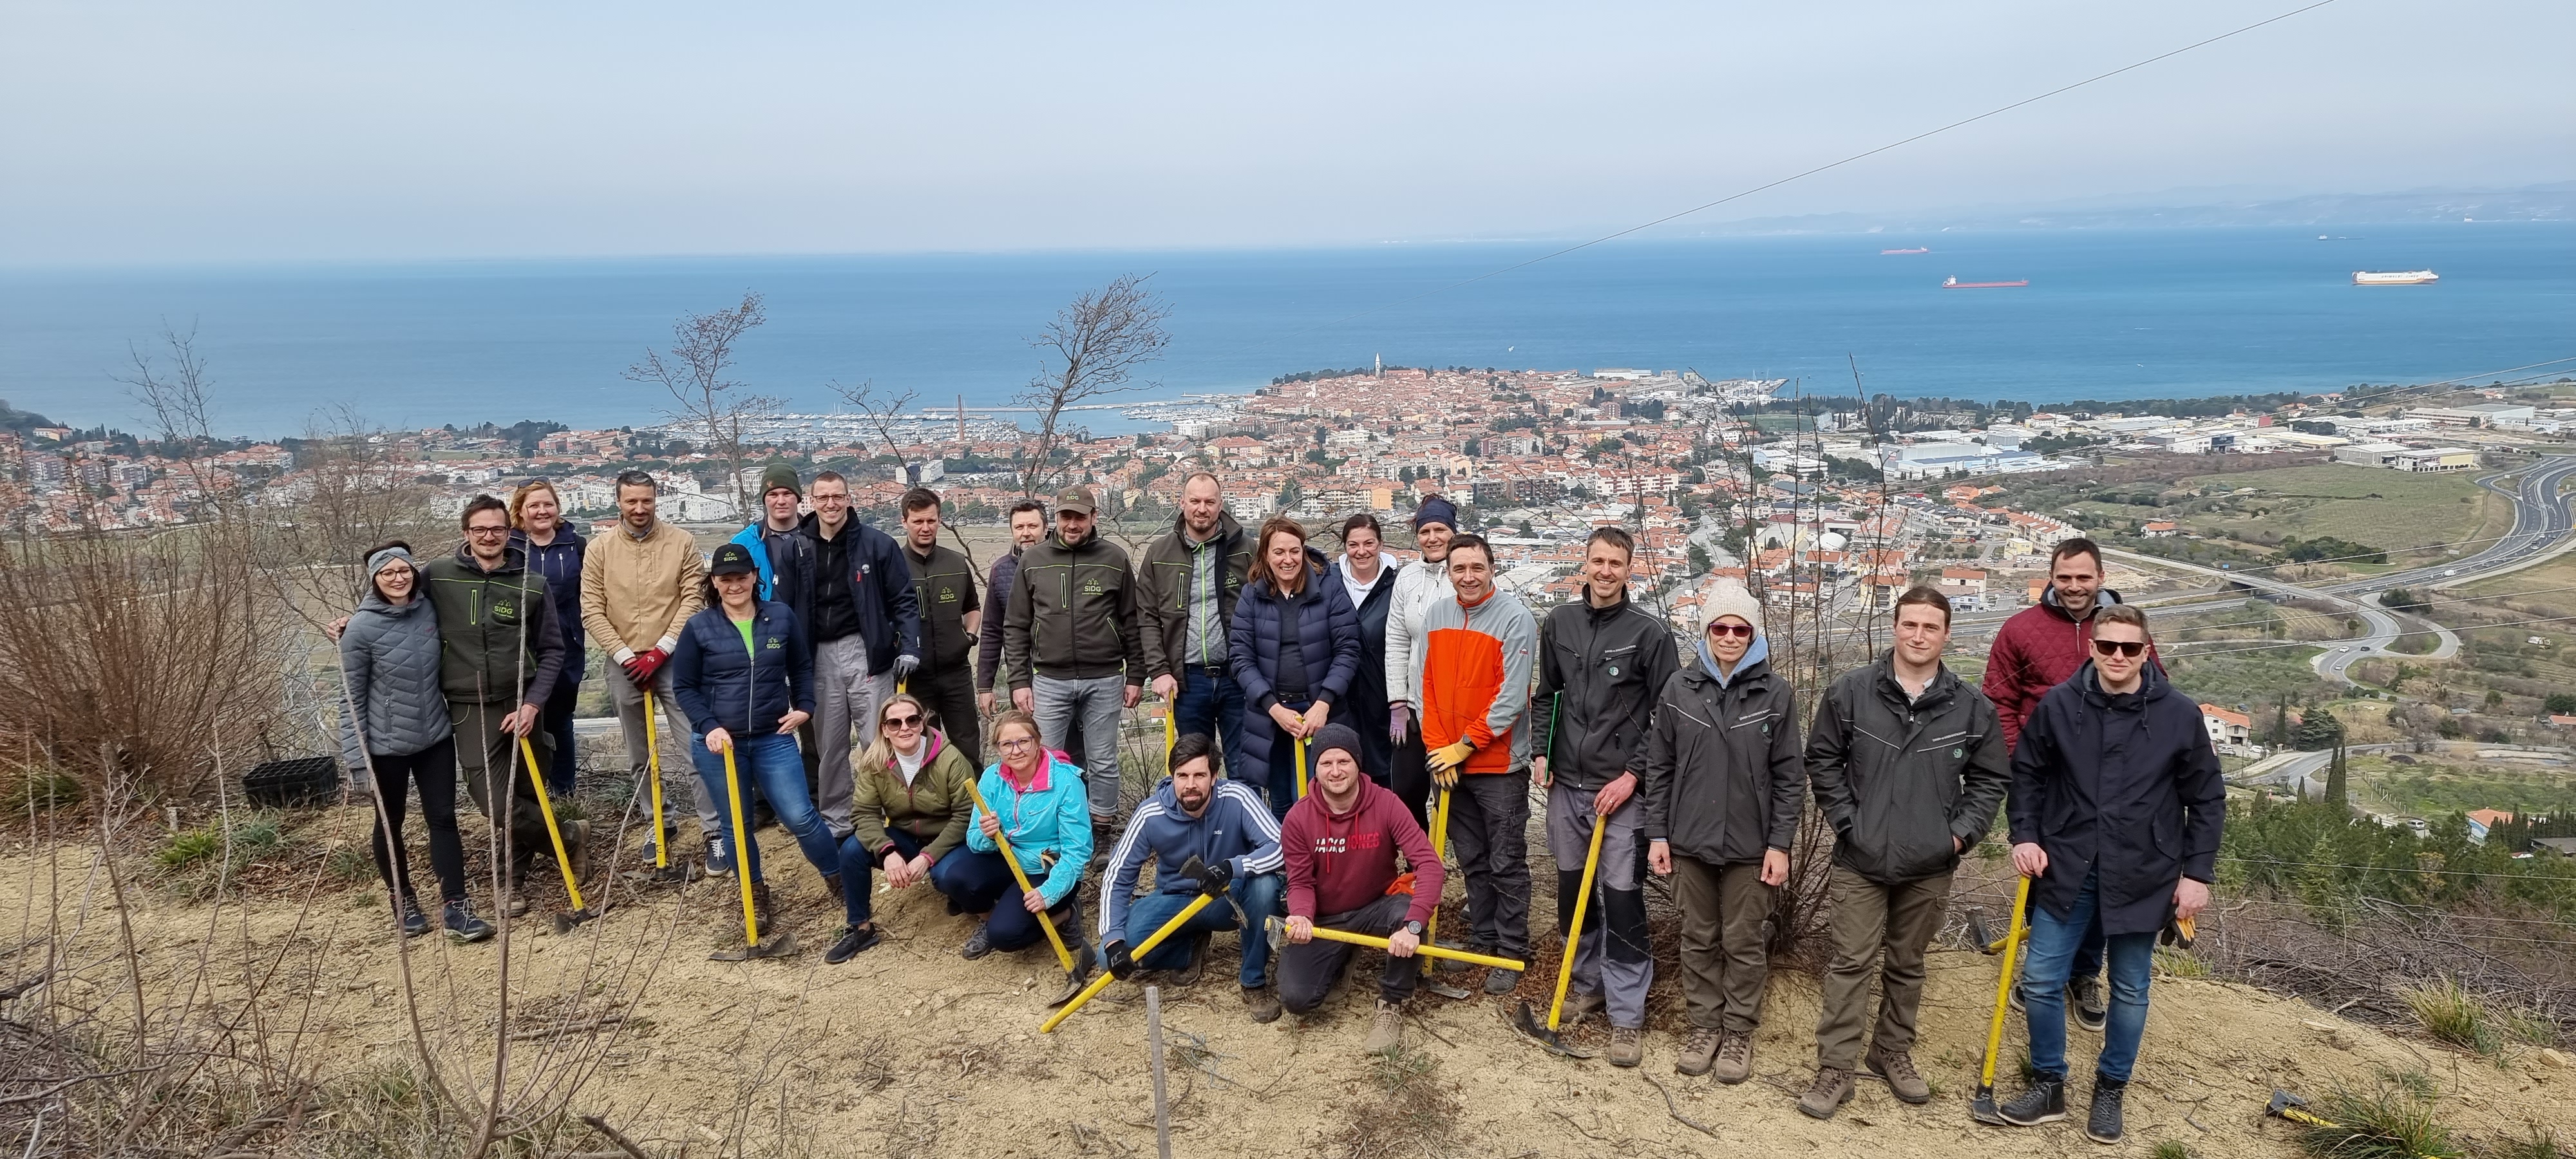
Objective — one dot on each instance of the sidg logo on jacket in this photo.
(947, 595)
(1091, 587)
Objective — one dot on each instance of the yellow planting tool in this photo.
(1982, 1108)
(785, 943)
(1301, 768)
(1431, 929)
(1101, 983)
(653, 749)
(564, 922)
(1574, 937)
(1172, 731)
(1062, 954)
(1279, 928)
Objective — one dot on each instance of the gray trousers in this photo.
(846, 699)
(1869, 919)
(1489, 831)
(1724, 964)
(1615, 957)
(1096, 703)
(679, 773)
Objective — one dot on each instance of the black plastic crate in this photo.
(285, 784)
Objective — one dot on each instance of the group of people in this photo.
(1334, 721)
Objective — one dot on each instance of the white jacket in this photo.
(1418, 585)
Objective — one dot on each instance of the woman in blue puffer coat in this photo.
(1295, 648)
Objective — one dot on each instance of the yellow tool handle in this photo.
(653, 756)
(741, 856)
(1102, 982)
(1574, 937)
(528, 752)
(902, 688)
(1439, 851)
(1426, 949)
(2003, 986)
(1062, 955)
(1171, 728)
(1301, 768)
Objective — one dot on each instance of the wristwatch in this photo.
(1414, 928)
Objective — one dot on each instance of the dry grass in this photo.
(1410, 1113)
(2387, 1121)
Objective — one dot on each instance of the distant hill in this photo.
(2555, 201)
(21, 421)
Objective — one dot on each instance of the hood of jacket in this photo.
(514, 559)
(2152, 687)
(373, 602)
(1758, 654)
(2057, 607)
(1226, 529)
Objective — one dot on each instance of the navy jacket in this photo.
(720, 685)
(560, 563)
(1328, 640)
(2126, 786)
(880, 583)
(1237, 829)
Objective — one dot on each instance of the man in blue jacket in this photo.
(2116, 809)
(1228, 828)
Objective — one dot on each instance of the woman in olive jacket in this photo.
(909, 809)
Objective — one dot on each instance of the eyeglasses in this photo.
(904, 722)
(487, 531)
(1744, 630)
(2130, 648)
(1013, 746)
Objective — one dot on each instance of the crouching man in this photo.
(1224, 825)
(2116, 809)
(1340, 844)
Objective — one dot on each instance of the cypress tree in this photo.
(2335, 782)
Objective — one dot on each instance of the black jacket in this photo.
(1899, 778)
(1722, 780)
(1608, 664)
(943, 587)
(497, 638)
(879, 592)
(1072, 614)
(2126, 786)
(721, 684)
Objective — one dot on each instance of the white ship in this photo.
(2394, 277)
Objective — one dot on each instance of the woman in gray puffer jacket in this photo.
(395, 727)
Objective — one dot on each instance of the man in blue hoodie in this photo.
(1227, 826)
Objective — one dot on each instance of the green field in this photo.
(2435, 786)
(2392, 510)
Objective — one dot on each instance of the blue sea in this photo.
(2107, 315)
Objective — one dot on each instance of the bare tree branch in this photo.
(1094, 347)
(695, 371)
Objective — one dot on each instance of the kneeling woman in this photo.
(744, 673)
(909, 813)
(1038, 806)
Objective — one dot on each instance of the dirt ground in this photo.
(910, 1050)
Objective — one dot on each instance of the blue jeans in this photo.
(1212, 704)
(859, 887)
(1263, 896)
(770, 763)
(985, 885)
(2053, 943)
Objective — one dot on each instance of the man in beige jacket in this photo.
(638, 586)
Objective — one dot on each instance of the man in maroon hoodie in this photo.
(1340, 842)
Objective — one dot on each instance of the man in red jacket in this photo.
(1340, 843)
(2036, 650)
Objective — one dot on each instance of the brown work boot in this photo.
(576, 835)
(1897, 1067)
(1627, 1046)
(1579, 1006)
(1258, 1003)
(1832, 1088)
(1386, 1028)
(1698, 1051)
(1734, 1059)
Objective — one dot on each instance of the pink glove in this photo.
(1399, 722)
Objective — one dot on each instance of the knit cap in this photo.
(1729, 598)
(780, 475)
(1435, 509)
(1336, 735)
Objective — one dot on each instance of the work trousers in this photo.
(499, 779)
(845, 701)
(557, 722)
(2053, 945)
(1307, 972)
(1489, 831)
(1615, 957)
(434, 770)
(1211, 703)
(672, 738)
(1881, 926)
(1408, 775)
(1724, 964)
(1096, 703)
(950, 697)
(985, 885)
(1262, 896)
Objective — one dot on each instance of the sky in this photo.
(149, 132)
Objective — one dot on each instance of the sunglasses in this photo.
(909, 721)
(2130, 648)
(1743, 630)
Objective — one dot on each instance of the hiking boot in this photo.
(1501, 981)
(1627, 1045)
(1579, 1006)
(1734, 1059)
(576, 835)
(2102, 1125)
(462, 926)
(760, 909)
(407, 912)
(852, 941)
(1386, 1028)
(1258, 1002)
(977, 944)
(1897, 1068)
(1698, 1051)
(1832, 1088)
(1454, 966)
(514, 899)
(1190, 971)
(2044, 1102)
(2084, 996)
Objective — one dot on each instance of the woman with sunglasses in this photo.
(909, 811)
(1723, 787)
(1038, 803)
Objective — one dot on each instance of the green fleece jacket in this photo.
(935, 807)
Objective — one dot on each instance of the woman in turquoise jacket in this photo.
(1038, 804)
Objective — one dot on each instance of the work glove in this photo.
(1214, 878)
(1121, 963)
(1399, 722)
(641, 667)
(904, 666)
(1445, 763)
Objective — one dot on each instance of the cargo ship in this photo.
(1921, 249)
(1956, 284)
(2394, 277)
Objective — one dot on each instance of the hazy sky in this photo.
(142, 132)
